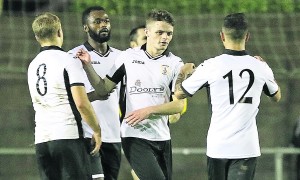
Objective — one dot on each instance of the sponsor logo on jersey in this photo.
(165, 69)
(138, 89)
(138, 62)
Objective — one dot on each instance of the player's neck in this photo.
(102, 48)
(50, 43)
(235, 46)
(153, 51)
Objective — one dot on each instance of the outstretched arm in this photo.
(186, 71)
(103, 87)
(173, 107)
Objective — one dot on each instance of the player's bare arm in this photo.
(87, 113)
(169, 108)
(277, 96)
(174, 117)
(103, 87)
(186, 71)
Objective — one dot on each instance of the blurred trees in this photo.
(192, 7)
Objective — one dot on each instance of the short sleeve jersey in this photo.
(235, 82)
(149, 81)
(107, 111)
(50, 77)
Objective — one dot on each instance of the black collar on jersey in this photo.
(235, 53)
(166, 52)
(50, 48)
(90, 48)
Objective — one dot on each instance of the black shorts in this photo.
(96, 166)
(65, 159)
(111, 160)
(231, 169)
(149, 159)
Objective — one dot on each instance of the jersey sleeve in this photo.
(117, 72)
(75, 72)
(197, 80)
(271, 87)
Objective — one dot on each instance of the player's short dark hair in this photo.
(160, 15)
(86, 13)
(236, 26)
(133, 32)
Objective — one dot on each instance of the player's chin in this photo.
(163, 47)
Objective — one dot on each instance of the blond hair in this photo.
(45, 26)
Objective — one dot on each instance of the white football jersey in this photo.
(107, 111)
(235, 82)
(50, 77)
(149, 81)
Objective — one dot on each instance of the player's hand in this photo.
(188, 68)
(137, 116)
(103, 98)
(84, 56)
(96, 139)
(174, 118)
(259, 58)
(106, 96)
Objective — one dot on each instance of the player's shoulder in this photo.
(115, 50)
(75, 49)
(131, 51)
(174, 58)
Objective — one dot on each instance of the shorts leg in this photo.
(111, 160)
(96, 166)
(71, 158)
(216, 169)
(242, 169)
(147, 158)
(298, 167)
(46, 166)
(165, 161)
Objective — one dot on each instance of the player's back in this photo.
(235, 86)
(50, 76)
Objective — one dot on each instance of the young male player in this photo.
(59, 100)
(235, 81)
(96, 24)
(150, 72)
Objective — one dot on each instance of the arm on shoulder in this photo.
(101, 86)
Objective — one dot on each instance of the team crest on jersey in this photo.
(138, 83)
(165, 69)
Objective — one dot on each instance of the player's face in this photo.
(141, 37)
(98, 26)
(159, 34)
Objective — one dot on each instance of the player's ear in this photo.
(59, 33)
(38, 40)
(85, 28)
(222, 36)
(147, 32)
(247, 36)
